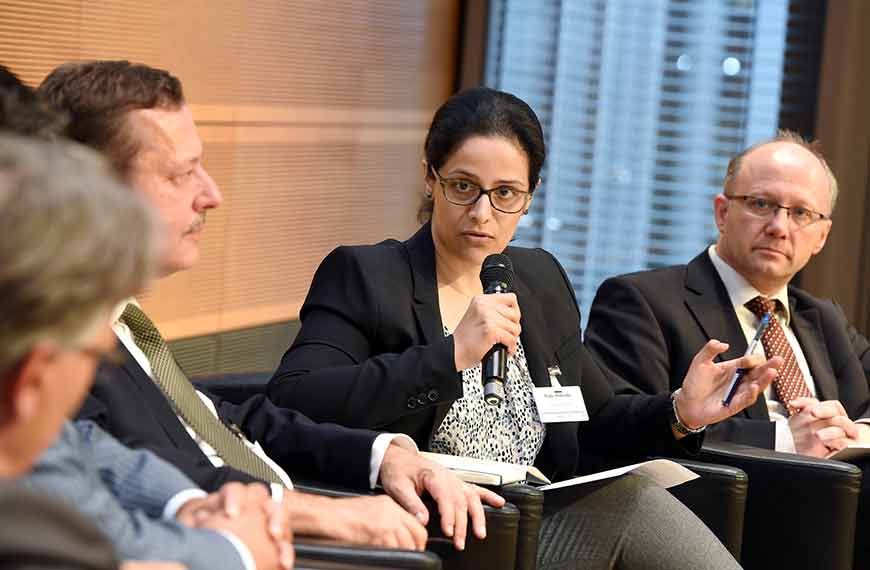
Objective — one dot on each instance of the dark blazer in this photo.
(646, 327)
(371, 353)
(43, 534)
(127, 403)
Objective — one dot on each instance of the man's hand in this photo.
(373, 521)
(250, 514)
(699, 402)
(820, 429)
(405, 475)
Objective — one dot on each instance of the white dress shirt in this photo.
(379, 446)
(740, 291)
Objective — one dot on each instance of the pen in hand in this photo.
(738, 374)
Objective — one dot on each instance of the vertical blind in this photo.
(643, 103)
(312, 116)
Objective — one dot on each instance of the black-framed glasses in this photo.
(464, 192)
(761, 207)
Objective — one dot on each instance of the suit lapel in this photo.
(709, 304)
(532, 322)
(806, 324)
(156, 402)
(421, 257)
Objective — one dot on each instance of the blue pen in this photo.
(738, 374)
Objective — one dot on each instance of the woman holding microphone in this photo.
(393, 336)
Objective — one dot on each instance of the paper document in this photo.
(487, 472)
(664, 472)
(852, 452)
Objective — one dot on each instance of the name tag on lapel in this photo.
(560, 403)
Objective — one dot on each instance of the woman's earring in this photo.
(526, 211)
(428, 194)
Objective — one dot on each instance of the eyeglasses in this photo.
(800, 216)
(464, 192)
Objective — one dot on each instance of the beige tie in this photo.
(790, 383)
(175, 385)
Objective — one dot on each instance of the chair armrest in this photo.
(807, 504)
(717, 497)
(530, 502)
(234, 388)
(316, 554)
(498, 550)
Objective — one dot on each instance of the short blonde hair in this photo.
(75, 242)
(785, 135)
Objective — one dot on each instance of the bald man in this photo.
(773, 216)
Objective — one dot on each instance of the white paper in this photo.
(852, 452)
(664, 472)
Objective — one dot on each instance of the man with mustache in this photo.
(138, 118)
(773, 215)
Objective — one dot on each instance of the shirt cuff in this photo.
(784, 439)
(180, 498)
(244, 553)
(379, 449)
(277, 492)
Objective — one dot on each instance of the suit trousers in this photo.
(628, 523)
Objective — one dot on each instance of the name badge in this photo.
(563, 404)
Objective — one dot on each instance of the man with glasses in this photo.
(774, 214)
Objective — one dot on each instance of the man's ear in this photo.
(720, 211)
(823, 238)
(26, 384)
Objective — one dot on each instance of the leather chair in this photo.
(800, 511)
(328, 555)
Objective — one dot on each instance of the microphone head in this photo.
(497, 269)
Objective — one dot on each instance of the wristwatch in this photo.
(677, 423)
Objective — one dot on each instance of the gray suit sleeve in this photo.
(68, 471)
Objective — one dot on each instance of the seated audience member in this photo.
(393, 335)
(37, 531)
(773, 215)
(62, 268)
(137, 117)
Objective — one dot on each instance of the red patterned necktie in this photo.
(790, 383)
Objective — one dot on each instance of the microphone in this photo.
(496, 276)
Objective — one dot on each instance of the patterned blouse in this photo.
(511, 431)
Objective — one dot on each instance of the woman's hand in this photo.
(490, 319)
(699, 403)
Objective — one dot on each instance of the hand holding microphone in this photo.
(489, 330)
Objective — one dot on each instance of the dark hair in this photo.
(23, 113)
(482, 111)
(98, 95)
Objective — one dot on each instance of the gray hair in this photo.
(785, 135)
(75, 243)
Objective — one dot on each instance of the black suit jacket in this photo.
(371, 353)
(646, 327)
(127, 403)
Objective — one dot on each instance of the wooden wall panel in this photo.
(312, 116)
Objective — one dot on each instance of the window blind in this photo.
(643, 103)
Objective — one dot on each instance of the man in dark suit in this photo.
(773, 216)
(138, 118)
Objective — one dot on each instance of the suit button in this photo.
(433, 395)
(422, 400)
(412, 403)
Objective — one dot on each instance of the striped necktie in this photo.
(177, 388)
(790, 383)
